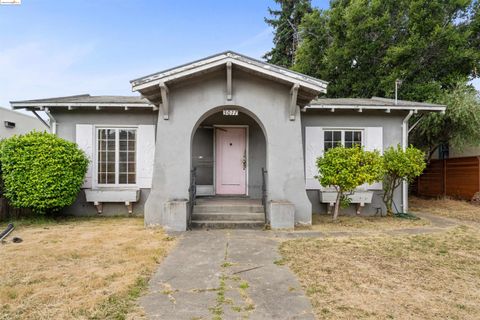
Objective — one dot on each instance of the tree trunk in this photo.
(337, 204)
(389, 206)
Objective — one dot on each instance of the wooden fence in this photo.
(455, 177)
(9, 212)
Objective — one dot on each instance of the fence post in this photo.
(444, 172)
(3, 208)
(478, 171)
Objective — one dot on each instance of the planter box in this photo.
(112, 195)
(361, 197)
(99, 196)
(357, 197)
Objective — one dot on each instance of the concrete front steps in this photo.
(227, 213)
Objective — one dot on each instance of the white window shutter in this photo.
(374, 141)
(145, 155)
(313, 150)
(84, 137)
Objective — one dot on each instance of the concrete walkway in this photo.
(232, 274)
(225, 274)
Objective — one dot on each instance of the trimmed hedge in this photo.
(41, 171)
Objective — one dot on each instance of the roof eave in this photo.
(439, 108)
(41, 106)
(236, 59)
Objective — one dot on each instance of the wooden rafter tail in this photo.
(293, 100)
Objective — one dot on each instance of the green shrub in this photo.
(347, 168)
(41, 171)
(400, 166)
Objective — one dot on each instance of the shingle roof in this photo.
(372, 102)
(86, 98)
(83, 100)
(235, 58)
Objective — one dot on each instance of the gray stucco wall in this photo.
(202, 145)
(265, 104)
(192, 102)
(459, 153)
(66, 127)
(67, 120)
(392, 135)
(23, 123)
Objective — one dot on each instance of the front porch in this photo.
(228, 154)
(227, 213)
(228, 178)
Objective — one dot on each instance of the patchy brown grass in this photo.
(82, 269)
(352, 223)
(433, 276)
(449, 208)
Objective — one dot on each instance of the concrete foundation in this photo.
(174, 216)
(281, 214)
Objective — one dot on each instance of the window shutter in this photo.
(374, 141)
(84, 137)
(145, 155)
(313, 150)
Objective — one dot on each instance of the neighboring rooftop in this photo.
(83, 100)
(372, 103)
(6, 110)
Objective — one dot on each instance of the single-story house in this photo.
(13, 122)
(223, 140)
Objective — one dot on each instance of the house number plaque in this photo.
(230, 112)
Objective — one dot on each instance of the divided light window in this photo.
(347, 138)
(116, 156)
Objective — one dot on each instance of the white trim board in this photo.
(362, 107)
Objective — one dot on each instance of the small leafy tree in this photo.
(41, 171)
(458, 127)
(347, 168)
(400, 165)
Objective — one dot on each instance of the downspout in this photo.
(404, 147)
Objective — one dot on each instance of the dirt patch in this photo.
(352, 223)
(422, 277)
(457, 209)
(83, 269)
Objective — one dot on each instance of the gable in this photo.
(150, 86)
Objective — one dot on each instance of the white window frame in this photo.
(117, 157)
(342, 130)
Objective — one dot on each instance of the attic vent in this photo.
(9, 124)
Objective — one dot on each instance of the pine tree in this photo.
(285, 23)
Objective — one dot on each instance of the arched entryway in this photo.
(228, 153)
(228, 161)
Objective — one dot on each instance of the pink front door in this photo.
(230, 161)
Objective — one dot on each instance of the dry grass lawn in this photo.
(351, 223)
(433, 276)
(81, 269)
(449, 208)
